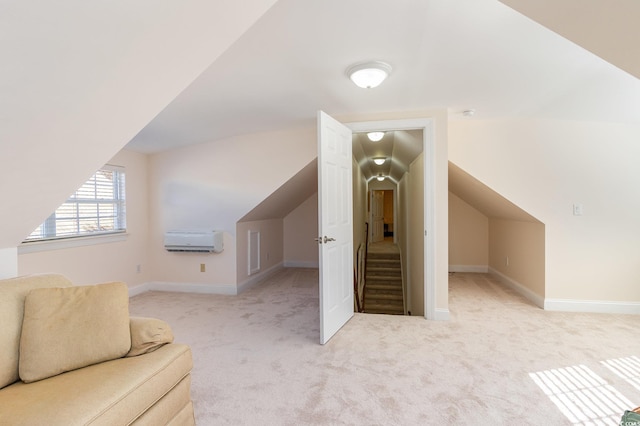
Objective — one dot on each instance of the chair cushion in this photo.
(110, 393)
(64, 329)
(12, 294)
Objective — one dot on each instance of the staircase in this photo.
(383, 289)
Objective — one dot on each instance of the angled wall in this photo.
(213, 186)
(82, 80)
(546, 167)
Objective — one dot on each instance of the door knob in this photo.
(327, 239)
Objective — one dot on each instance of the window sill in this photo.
(66, 243)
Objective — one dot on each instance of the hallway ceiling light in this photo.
(380, 160)
(369, 74)
(380, 177)
(375, 136)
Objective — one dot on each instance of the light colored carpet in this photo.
(258, 361)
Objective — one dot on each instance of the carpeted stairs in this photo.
(383, 290)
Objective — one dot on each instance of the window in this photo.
(97, 207)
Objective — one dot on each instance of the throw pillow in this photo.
(69, 328)
(148, 334)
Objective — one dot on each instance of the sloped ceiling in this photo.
(454, 54)
(483, 198)
(608, 28)
(288, 196)
(79, 79)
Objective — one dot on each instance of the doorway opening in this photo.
(390, 206)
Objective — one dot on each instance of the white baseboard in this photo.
(441, 315)
(226, 289)
(200, 288)
(480, 269)
(592, 306)
(139, 289)
(519, 288)
(255, 279)
(300, 264)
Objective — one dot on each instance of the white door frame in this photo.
(428, 142)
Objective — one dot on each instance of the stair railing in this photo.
(364, 268)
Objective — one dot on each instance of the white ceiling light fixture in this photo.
(380, 160)
(375, 136)
(380, 177)
(369, 74)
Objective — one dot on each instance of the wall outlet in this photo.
(203, 268)
(138, 269)
(506, 261)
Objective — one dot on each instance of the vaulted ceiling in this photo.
(82, 79)
(462, 54)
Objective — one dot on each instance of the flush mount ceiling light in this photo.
(375, 136)
(380, 177)
(369, 74)
(379, 160)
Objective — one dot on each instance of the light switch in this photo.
(577, 209)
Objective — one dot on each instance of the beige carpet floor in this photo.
(498, 361)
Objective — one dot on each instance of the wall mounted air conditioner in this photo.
(193, 241)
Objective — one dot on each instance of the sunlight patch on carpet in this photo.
(626, 368)
(582, 396)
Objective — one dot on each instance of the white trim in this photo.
(199, 288)
(442, 315)
(429, 153)
(477, 269)
(301, 264)
(8, 262)
(519, 288)
(71, 242)
(139, 289)
(592, 306)
(253, 252)
(257, 278)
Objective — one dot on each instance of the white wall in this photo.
(8, 263)
(269, 251)
(85, 80)
(212, 186)
(300, 229)
(516, 251)
(360, 212)
(415, 236)
(468, 237)
(545, 167)
(102, 262)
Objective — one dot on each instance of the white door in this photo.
(377, 216)
(335, 225)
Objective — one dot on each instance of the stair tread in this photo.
(384, 297)
(384, 310)
(383, 293)
(382, 281)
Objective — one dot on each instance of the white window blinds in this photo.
(97, 207)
